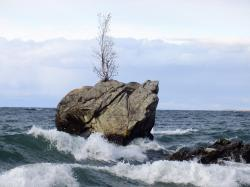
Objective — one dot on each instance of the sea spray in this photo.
(94, 147)
(174, 131)
(39, 175)
(230, 175)
(183, 173)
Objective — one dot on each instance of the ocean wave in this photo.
(146, 144)
(94, 147)
(48, 174)
(174, 132)
(231, 175)
(40, 175)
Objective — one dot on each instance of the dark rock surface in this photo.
(221, 150)
(120, 111)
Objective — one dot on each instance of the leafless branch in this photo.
(105, 53)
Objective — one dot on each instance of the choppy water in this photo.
(33, 153)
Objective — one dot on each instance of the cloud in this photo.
(193, 74)
(38, 20)
(46, 68)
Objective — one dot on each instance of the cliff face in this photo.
(120, 111)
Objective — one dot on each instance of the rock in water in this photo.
(120, 111)
(221, 150)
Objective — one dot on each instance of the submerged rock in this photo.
(222, 149)
(120, 111)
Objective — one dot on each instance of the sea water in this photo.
(34, 153)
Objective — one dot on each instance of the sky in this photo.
(198, 50)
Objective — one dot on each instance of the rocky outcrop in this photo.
(221, 150)
(120, 111)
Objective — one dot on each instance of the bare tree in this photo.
(105, 53)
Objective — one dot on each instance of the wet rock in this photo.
(120, 111)
(222, 149)
(186, 153)
(245, 152)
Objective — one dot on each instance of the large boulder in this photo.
(120, 111)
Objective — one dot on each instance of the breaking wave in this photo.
(183, 173)
(174, 132)
(230, 175)
(40, 175)
(95, 146)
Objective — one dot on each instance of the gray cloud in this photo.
(192, 74)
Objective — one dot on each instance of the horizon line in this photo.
(175, 40)
(215, 110)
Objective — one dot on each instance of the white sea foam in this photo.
(47, 174)
(95, 147)
(231, 175)
(39, 175)
(146, 144)
(174, 132)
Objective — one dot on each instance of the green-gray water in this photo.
(33, 153)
